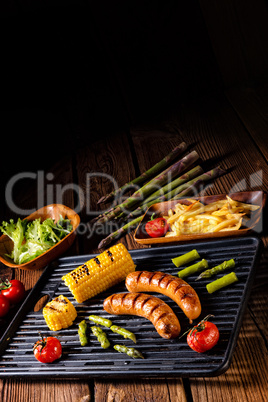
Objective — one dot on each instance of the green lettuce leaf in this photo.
(33, 238)
(16, 232)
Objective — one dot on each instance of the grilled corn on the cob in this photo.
(59, 313)
(100, 273)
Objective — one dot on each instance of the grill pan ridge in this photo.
(163, 358)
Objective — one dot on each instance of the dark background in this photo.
(75, 71)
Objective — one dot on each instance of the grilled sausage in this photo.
(175, 288)
(154, 309)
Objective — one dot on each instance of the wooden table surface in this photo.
(229, 129)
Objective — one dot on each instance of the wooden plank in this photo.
(220, 138)
(259, 298)
(53, 188)
(98, 164)
(251, 105)
(214, 130)
(152, 144)
(114, 159)
(239, 35)
(218, 135)
(45, 391)
(246, 379)
(55, 180)
(140, 391)
(148, 390)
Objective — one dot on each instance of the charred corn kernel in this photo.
(59, 313)
(100, 273)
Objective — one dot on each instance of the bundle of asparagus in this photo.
(164, 187)
(140, 195)
(148, 174)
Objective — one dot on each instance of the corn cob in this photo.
(59, 313)
(100, 273)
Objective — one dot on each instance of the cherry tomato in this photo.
(4, 306)
(203, 336)
(157, 227)
(13, 290)
(46, 350)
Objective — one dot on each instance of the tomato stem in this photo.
(153, 216)
(42, 342)
(5, 284)
(199, 327)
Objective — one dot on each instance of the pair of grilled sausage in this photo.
(154, 309)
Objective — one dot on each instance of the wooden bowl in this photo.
(50, 211)
(161, 209)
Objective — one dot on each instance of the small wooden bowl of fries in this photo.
(206, 217)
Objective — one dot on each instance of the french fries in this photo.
(223, 215)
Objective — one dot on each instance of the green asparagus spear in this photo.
(82, 329)
(193, 269)
(124, 332)
(185, 258)
(169, 191)
(100, 320)
(120, 232)
(134, 353)
(216, 270)
(165, 193)
(148, 174)
(135, 222)
(221, 282)
(186, 189)
(180, 184)
(211, 174)
(101, 336)
(150, 187)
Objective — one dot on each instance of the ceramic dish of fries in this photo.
(193, 218)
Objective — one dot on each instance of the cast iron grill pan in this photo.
(163, 358)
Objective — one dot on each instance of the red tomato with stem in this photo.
(46, 350)
(203, 336)
(157, 227)
(4, 306)
(13, 290)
